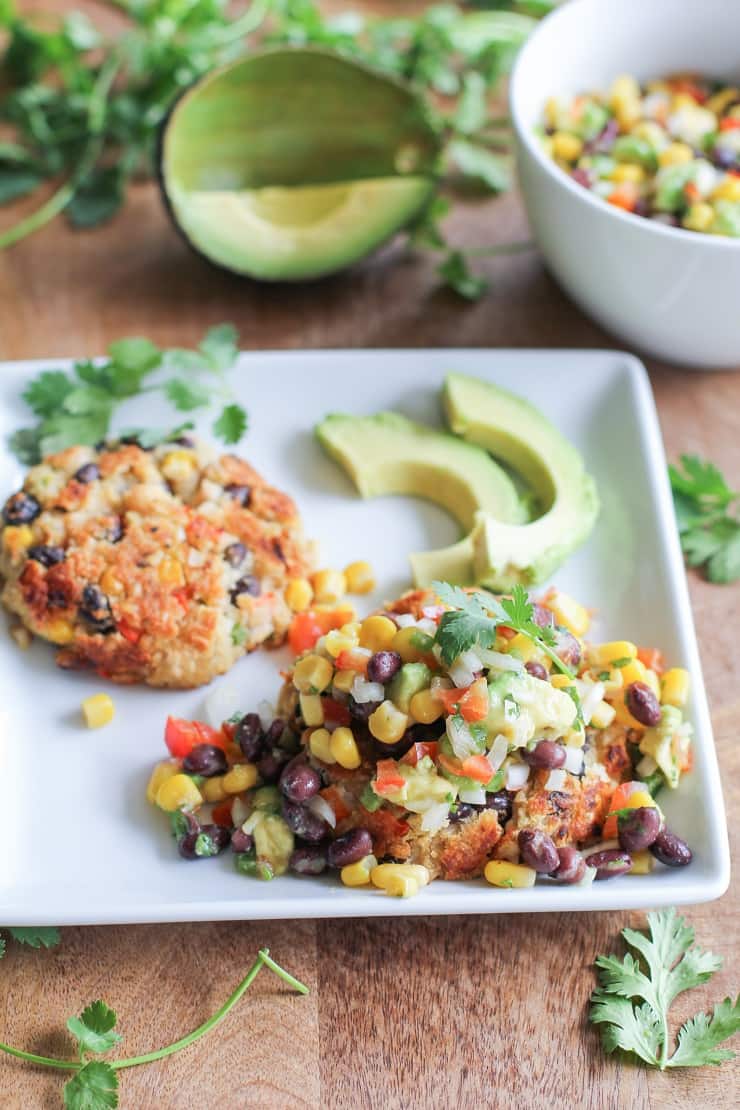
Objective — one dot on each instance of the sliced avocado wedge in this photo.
(387, 453)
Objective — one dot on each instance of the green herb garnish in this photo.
(623, 661)
(78, 406)
(635, 993)
(94, 1086)
(40, 936)
(708, 521)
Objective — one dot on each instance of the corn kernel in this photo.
(312, 674)
(161, 773)
(675, 687)
(329, 586)
(404, 643)
(642, 863)
(359, 577)
(568, 612)
(622, 714)
(635, 671)
(177, 465)
(387, 723)
(319, 743)
(358, 874)
(425, 708)
(377, 633)
(243, 776)
(312, 710)
(336, 642)
(343, 681)
(16, 538)
(699, 217)
(729, 189)
(60, 631)
(110, 584)
(722, 99)
(675, 154)
(178, 792)
(560, 681)
(627, 111)
(566, 146)
(499, 872)
(213, 789)
(651, 679)
(628, 171)
(605, 654)
(343, 747)
(298, 594)
(624, 86)
(98, 710)
(524, 648)
(394, 878)
(640, 799)
(170, 572)
(351, 628)
(552, 111)
(603, 715)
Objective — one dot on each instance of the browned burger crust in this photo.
(161, 566)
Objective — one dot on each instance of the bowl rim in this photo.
(526, 137)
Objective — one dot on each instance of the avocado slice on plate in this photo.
(503, 553)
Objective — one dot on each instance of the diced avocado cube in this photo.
(411, 678)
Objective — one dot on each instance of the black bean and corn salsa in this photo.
(668, 150)
(452, 737)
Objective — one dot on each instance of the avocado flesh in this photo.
(292, 233)
(387, 453)
(504, 553)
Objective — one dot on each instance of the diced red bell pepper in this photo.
(388, 778)
(222, 814)
(652, 658)
(352, 661)
(730, 123)
(478, 768)
(182, 736)
(133, 635)
(474, 702)
(451, 765)
(419, 750)
(305, 630)
(334, 797)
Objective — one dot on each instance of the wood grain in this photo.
(461, 1012)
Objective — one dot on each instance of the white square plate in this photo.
(80, 843)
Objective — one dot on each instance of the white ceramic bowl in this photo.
(672, 293)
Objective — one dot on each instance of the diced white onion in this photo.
(475, 796)
(588, 877)
(267, 713)
(321, 808)
(591, 697)
(432, 612)
(364, 692)
(435, 818)
(605, 846)
(499, 751)
(556, 779)
(222, 702)
(440, 683)
(646, 766)
(573, 760)
(239, 811)
(516, 775)
(425, 625)
(404, 620)
(465, 668)
(500, 661)
(461, 738)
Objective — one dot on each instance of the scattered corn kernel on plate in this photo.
(84, 844)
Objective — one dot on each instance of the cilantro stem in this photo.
(516, 247)
(291, 980)
(44, 1061)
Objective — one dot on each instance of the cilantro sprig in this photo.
(635, 993)
(41, 936)
(708, 520)
(84, 109)
(78, 406)
(94, 1085)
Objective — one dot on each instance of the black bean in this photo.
(299, 782)
(536, 670)
(21, 508)
(183, 441)
(249, 736)
(643, 704)
(87, 473)
(274, 734)
(567, 647)
(235, 554)
(46, 554)
(571, 866)
(304, 823)
(610, 863)
(543, 616)
(638, 828)
(350, 848)
(538, 850)
(206, 760)
(383, 666)
(392, 751)
(271, 764)
(242, 494)
(241, 841)
(460, 812)
(246, 585)
(308, 860)
(361, 710)
(57, 599)
(115, 532)
(418, 733)
(547, 755)
(210, 840)
(671, 850)
(95, 609)
(501, 801)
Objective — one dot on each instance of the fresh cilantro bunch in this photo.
(85, 110)
(34, 937)
(78, 406)
(94, 1084)
(707, 515)
(635, 993)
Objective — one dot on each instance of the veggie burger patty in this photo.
(161, 566)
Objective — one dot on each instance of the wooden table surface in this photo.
(423, 1012)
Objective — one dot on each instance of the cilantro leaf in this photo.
(231, 424)
(36, 936)
(135, 354)
(709, 528)
(94, 1087)
(670, 964)
(480, 165)
(699, 480)
(98, 197)
(2, 947)
(464, 626)
(724, 565)
(220, 346)
(457, 274)
(46, 393)
(94, 1028)
(186, 396)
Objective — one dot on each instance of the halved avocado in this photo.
(516, 432)
(293, 163)
(387, 453)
